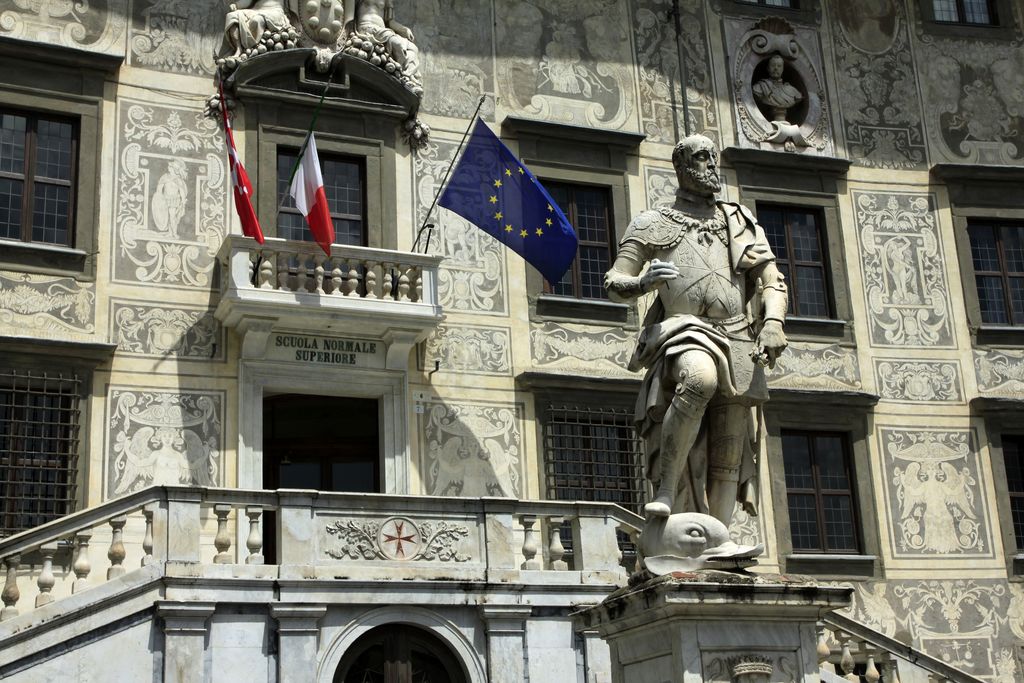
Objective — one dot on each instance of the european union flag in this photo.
(492, 189)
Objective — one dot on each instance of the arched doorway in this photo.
(398, 653)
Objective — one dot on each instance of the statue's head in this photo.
(776, 65)
(696, 162)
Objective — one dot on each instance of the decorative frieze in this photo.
(472, 449)
(918, 381)
(999, 372)
(158, 437)
(96, 25)
(397, 539)
(934, 493)
(903, 269)
(581, 349)
(814, 366)
(180, 36)
(47, 306)
(182, 332)
(469, 350)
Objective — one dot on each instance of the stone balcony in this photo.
(285, 285)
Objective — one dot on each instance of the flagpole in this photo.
(305, 143)
(440, 189)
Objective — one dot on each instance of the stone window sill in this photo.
(1018, 565)
(550, 306)
(825, 564)
(999, 335)
(816, 329)
(43, 258)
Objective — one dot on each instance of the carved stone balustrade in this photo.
(288, 285)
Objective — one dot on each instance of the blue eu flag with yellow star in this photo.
(494, 191)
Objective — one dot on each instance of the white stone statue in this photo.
(690, 541)
(377, 36)
(248, 20)
(775, 93)
(716, 322)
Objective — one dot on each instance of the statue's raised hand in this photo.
(658, 272)
(771, 342)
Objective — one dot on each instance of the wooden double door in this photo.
(397, 653)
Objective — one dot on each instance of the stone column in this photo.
(184, 639)
(506, 635)
(595, 652)
(298, 635)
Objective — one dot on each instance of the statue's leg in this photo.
(727, 435)
(697, 381)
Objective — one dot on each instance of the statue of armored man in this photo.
(715, 324)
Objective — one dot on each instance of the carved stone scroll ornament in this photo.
(397, 539)
(780, 99)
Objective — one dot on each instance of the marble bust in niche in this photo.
(776, 95)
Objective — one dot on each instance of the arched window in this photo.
(396, 653)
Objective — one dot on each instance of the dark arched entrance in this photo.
(397, 653)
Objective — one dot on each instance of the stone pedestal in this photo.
(714, 627)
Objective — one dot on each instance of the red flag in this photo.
(307, 189)
(240, 181)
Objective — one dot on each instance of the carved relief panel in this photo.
(181, 36)
(169, 197)
(47, 306)
(657, 57)
(470, 350)
(581, 349)
(472, 449)
(778, 92)
(934, 493)
(816, 366)
(999, 372)
(751, 667)
(97, 25)
(157, 437)
(567, 61)
(904, 277)
(472, 276)
(923, 381)
(182, 332)
(877, 84)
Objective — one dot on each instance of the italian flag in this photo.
(307, 190)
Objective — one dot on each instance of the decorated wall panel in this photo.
(904, 276)
(921, 381)
(182, 332)
(934, 494)
(1000, 372)
(877, 84)
(472, 449)
(160, 437)
(170, 196)
(181, 36)
(657, 58)
(47, 306)
(475, 350)
(472, 276)
(828, 367)
(567, 61)
(581, 349)
(96, 25)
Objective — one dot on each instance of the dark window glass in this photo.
(588, 210)
(979, 12)
(344, 187)
(819, 489)
(37, 174)
(1013, 457)
(38, 448)
(795, 237)
(997, 251)
(791, 4)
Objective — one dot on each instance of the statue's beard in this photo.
(706, 183)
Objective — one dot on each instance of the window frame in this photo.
(845, 412)
(823, 265)
(1002, 419)
(1002, 28)
(1012, 495)
(820, 492)
(29, 177)
(961, 12)
(359, 161)
(805, 12)
(1003, 273)
(609, 245)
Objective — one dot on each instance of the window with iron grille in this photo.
(345, 188)
(1013, 459)
(795, 236)
(997, 250)
(588, 209)
(38, 157)
(973, 12)
(819, 490)
(39, 427)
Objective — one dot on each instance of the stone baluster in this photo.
(337, 280)
(531, 546)
(10, 593)
(417, 282)
(556, 551)
(251, 263)
(282, 271)
(403, 284)
(265, 279)
(301, 273)
(388, 281)
(371, 280)
(318, 273)
(46, 579)
(222, 541)
(352, 288)
(147, 539)
(894, 675)
(116, 553)
(846, 662)
(255, 540)
(81, 565)
(871, 673)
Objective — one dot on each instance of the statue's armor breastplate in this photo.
(706, 285)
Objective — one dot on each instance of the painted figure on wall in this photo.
(716, 322)
(170, 198)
